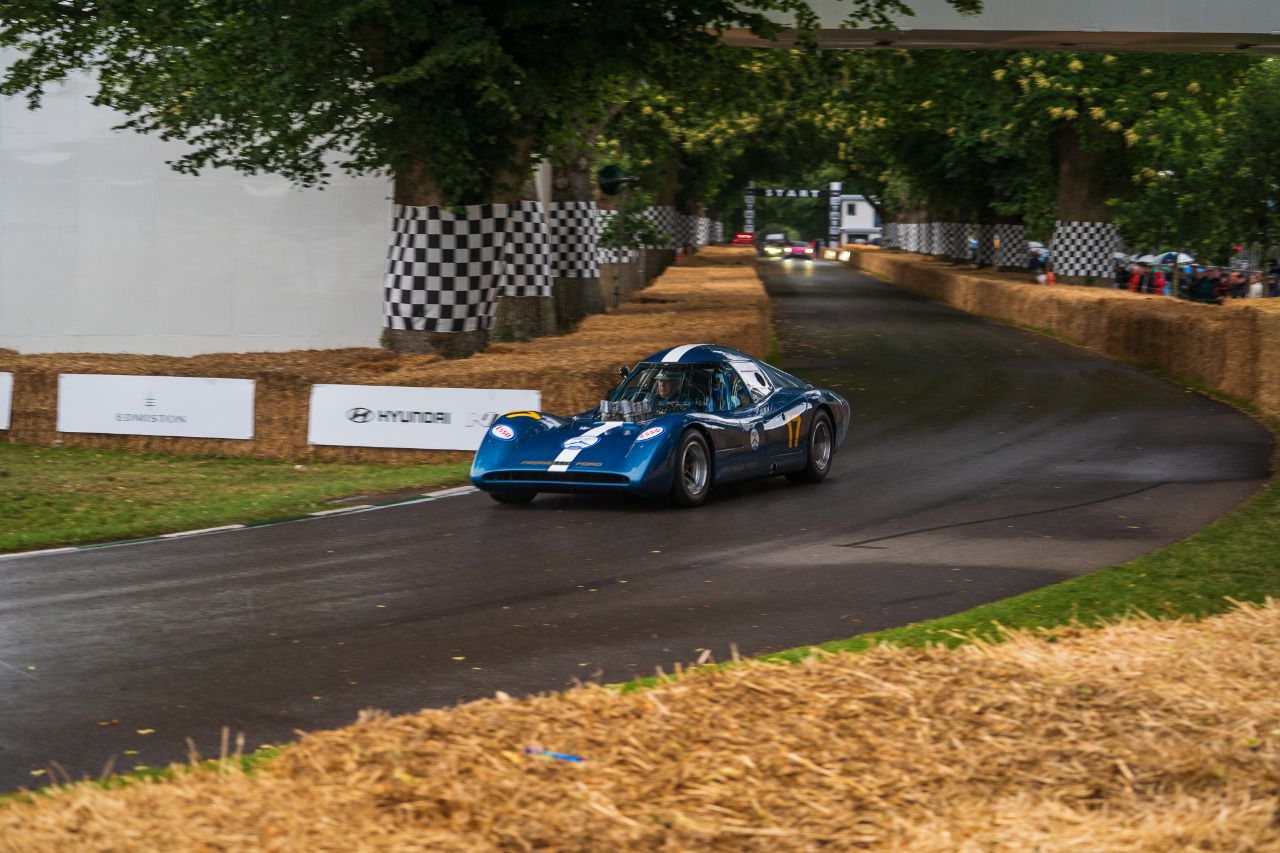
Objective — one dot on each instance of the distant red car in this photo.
(798, 250)
(743, 239)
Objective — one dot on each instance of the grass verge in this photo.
(51, 497)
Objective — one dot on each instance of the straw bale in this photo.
(714, 296)
(1229, 347)
(1138, 736)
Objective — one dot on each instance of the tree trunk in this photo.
(1083, 237)
(416, 286)
(575, 231)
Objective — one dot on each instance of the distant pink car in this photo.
(798, 250)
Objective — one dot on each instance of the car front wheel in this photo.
(693, 470)
(821, 447)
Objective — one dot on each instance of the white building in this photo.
(859, 220)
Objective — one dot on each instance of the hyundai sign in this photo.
(407, 417)
(189, 407)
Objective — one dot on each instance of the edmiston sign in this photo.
(408, 417)
(183, 406)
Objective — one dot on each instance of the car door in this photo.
(739, 452)
(777, 416)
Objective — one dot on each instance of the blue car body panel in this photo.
(766, 434)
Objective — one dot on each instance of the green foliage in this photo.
(1207, 171)
(631, 229)
(458, 94)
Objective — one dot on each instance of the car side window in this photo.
(756, 380)
(731, 393)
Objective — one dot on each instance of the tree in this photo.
(455, 99)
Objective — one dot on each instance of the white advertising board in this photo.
(6, 398)
(418, 418)
(192, 407)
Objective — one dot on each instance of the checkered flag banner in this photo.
(955, 239)
(986, 245)
(1083, 249)
(443, 268)
(446, 269)
(909, 236)
(1013, 249)
(701, 231)
(575, 235)
(526, 259)
(889, 236)
(664, 218)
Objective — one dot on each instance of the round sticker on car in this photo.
(651, 432)
(579, 442)
(503, 432)
(755, 439)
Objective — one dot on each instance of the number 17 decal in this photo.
(793, 432)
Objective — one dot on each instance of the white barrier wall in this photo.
(103, 248)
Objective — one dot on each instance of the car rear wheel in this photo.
(820, 448)
(516, 497)
(693, 470)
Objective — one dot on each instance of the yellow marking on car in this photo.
(534, 415)
(793, 432)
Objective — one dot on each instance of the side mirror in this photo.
(624, 371)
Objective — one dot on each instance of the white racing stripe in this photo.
(793, 412)
(569, 454)
(678, 353)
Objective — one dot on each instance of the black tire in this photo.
(692, 476)
(819, 450)
(516, 497)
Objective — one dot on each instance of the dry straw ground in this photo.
(714, 296)
(1140, 736)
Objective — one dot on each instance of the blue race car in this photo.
(681, 421)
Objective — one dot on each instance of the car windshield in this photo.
(654, 389)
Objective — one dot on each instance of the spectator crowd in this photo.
(1206, 284)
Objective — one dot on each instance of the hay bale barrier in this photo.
(1231, 348)
(713, 296)
(1141, 735)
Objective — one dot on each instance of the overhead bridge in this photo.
(1184, 26)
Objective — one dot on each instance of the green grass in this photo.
(63, 496)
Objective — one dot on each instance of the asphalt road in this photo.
(982, 461)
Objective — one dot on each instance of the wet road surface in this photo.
(982, 461)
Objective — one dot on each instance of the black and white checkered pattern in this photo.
(701, 231)
(1013, 250)
(575, 233)
(445, 270)
(889, 236)
(931, 238)
(986, 255)
(955, 239)
(664, 217)
(1083, 249)
(910, 236)
(526, 259)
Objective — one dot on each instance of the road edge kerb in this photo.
(425, 497)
